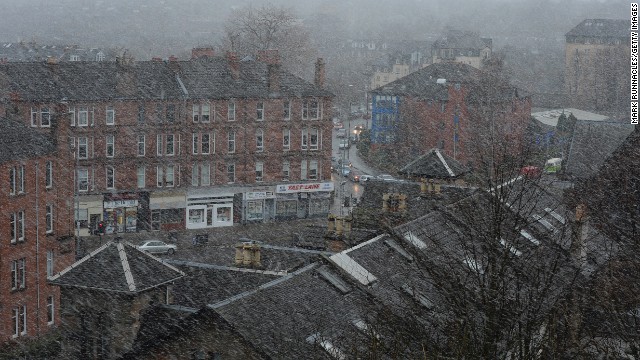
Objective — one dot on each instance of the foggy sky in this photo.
(165, 27)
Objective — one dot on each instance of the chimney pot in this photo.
(319, 75)
(202, 52)
(269, 56)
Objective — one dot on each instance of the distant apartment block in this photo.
(461, 46)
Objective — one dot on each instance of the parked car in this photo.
(341, 133)
(157, 247)
(345, 170)
(337, 124)
(365, 178)
(344, 144)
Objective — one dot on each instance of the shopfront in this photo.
(209, 210)
(167, 210)
(120, 213)
(303, 200)
(259, 205)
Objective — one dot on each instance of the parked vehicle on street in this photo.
(337, 124)
(341, 133)
(344, 144)
(345, 170)
(157, 247)
(365, 178)
(552, 166)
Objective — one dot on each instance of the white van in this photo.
(341, 133)
(552, 166)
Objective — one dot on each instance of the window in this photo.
(34, 116)
(83, 116)
(83, 148)
(19, 320)
(111, 177)
(169, 145)
(195, 143)
(169, 180)
(141, 145)
(83, 179)
(18, 275)
(196, 113)
(195, 174)
(45, 117)
(159, 113)
(141, 114)
(100, 56)
(50, 310)
(72, 116)
(231, 172)
(20, 181)
(205, 143)
(231, 142)
(286, 167)
(165, 176)
(205, 174)
(12, 181)
(260, 111)
(303, 170)
(111, 146)
(160, 175)
(142, 176)
(259, 140)
(305, 139)
(286, 139)
(259, 170)
(286, 108)
(206, 112)
(49, 218)
(48, 176)
(111, 115)
(49, 263)
(231, 111)
(313, 139)
(313, 170)
(17, 226)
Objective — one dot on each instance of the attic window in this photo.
(512, 249)
(365, 328)
(529, 237)
(353, 268)
(473, 265)
(327, 345)
(395, 246)
(333, 279)
(415, 240)
(555, 215)
(545, 223)
(423, 300)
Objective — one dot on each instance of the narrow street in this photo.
(345, 187)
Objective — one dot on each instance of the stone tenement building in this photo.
(202, 143)
(464, 47)
(597, 55)
(36, 230)
(449, 106)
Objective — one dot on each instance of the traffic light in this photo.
(100, 228)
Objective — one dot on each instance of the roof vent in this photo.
(441, 81)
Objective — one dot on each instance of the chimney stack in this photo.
(274, 77)
(234, 64)
(202, 52)
(269, 56)
(319, 78)
(248, 254)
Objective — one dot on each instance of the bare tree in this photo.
(249, 30)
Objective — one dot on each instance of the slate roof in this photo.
(606, 28)
(434, 165)
(154, 80)
(211, 78)
(591, 144)
(117, 267)
(422, 84)
(456, 39)
(18, 142)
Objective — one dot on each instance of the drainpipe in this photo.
(37, 253)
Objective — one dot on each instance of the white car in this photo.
(365, 178)
(157, 247)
